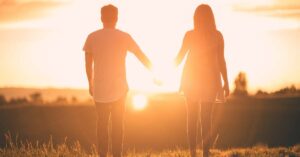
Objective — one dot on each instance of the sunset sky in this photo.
(41, 40)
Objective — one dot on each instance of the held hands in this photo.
(154, 74)
(164, 73)
(157, 81)
(155, 77)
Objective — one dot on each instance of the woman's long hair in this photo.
(204, 20)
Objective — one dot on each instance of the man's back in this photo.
(105, 52)
(109, 47)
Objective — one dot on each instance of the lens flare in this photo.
(139, 102)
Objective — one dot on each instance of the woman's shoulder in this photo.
(189, 33)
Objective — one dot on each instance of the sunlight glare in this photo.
(139, 101)
(60, 34)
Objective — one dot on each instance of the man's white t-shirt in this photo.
(109, 48)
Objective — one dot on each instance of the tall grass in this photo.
(16, 148)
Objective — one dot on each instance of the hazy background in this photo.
(41, 40)
(43, 85)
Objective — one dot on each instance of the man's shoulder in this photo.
(94, 33)
(123, 33)
(114, 34)
(112, 31)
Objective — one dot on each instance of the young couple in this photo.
(105, 52)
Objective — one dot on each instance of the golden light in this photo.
(139, 101)
(74, 20)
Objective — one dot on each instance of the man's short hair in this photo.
(109, 14)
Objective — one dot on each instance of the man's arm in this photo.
(135, 49)
(89, 60)
(143, 58)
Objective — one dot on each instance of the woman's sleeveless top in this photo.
(201, 74)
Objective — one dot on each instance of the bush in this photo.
(241, 85)
(2, 100)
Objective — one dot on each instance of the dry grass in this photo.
(15, 148)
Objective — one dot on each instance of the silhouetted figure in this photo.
(201, 78)
(105, 52)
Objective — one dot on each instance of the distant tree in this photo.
(241, 85)
(36, 97)
(61, 100)
(74, 100)
(293, 89)
(261, 93)
(15, 101)
(2, 100)
(287, 90)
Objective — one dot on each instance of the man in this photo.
(105, 52)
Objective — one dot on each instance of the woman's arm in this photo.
(222, 64)
(182, 52)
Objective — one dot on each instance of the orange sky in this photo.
(41, 40)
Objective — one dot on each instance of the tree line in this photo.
(240, 90)
(37, 98)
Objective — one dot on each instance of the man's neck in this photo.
(109, 26)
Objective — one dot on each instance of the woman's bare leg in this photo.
(192, 125)
(206, 120)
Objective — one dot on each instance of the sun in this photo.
(139, 101)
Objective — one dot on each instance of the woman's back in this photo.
(201, 78)
(201, 72)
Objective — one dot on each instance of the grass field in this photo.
(162, 125)
(250, 127)
(75, 150)
(16, 148)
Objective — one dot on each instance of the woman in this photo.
(201, 78)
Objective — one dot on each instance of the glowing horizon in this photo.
(48, 52)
